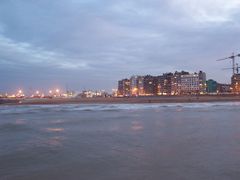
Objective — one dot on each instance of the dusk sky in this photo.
(91, 44)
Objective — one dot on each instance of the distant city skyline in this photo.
(89, 44)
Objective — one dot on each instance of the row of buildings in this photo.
(166, 84)
(178, 83)
(233, 88)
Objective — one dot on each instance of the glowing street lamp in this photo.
(19, 93)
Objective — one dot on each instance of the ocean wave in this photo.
(112, 107)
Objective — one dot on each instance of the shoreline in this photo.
(123, 100)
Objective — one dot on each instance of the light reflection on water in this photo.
(20, 121)
(54, 129)
(137, 126)
(170, 141)
(55, 141)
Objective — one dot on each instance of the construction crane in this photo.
(236, 68)
(233, 62)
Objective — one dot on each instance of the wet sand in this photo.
(126, 100)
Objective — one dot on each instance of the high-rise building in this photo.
(134, 85)
(120, 88)
(165, 84)
(150, 85)
(160, 85)
(202, 82)
(141, 86)
(137, 86)
(189, 84)
(176, 82)
(124, 87)
(193, 83)
(168, 80)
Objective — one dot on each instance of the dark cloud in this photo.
(92, 44)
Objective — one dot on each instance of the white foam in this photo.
(113, 107)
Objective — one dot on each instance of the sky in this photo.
(91, 44)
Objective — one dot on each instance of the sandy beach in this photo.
(126, 100)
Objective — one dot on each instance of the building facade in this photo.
(176, 82)
(134, 80)
(202, 82)
(150, 85)
(141, 86)
(166, 84)
(235, 83)
(193, 83)
(224, 88)
(124, 87)
(211, 86)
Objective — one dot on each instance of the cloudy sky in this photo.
(90, 44)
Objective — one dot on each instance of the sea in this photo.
(178, 141)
